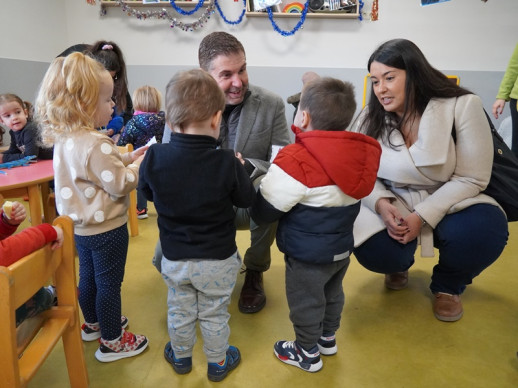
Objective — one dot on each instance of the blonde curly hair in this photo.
(68, 96)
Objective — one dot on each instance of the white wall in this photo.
(469, 37)
(459, 34)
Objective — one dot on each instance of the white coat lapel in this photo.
(431, 147)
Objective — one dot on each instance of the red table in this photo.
(32, 181)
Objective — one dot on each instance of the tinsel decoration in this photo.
(374, 12)
(232, 22)
(296, 28)
(186, 13)
(165, 15)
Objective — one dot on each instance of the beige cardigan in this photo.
(435, 176)
(92, 182)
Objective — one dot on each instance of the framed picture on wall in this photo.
(430, 2)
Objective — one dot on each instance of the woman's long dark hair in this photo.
(423, 82)
(110, 55)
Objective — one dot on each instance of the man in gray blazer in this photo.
(254, 126)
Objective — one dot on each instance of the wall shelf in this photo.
(139, 3)
(353, 14)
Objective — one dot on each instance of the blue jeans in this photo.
(468, 242)
(102, 260)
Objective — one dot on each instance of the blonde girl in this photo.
(92, 181)
(148, 121)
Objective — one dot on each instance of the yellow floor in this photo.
(387, 338)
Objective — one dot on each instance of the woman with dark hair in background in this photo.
(110, 55)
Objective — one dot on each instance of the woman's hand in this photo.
(498, 107)
(414, 224)
(396, 225)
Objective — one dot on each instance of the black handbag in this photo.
(503, 185)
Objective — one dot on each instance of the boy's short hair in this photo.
(215, 44)
(192, 96)
(147, 99)
(330, 103)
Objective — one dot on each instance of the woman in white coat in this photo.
(429, 185)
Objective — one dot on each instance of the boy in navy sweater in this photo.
(314, 189)
(195, 187)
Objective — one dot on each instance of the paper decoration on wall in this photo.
(374, 12)
(293, 8)
(431, 2)
(263, 4)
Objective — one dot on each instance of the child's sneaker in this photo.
(53, 298)
(92, 331)
(127, 345)
(327, 345)
(217, 371)
(141, 213)
(291, 353)
(180, 365)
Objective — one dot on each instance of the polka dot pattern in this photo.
(90, 192)
(102, 258)
(107, 176)
(65, 192)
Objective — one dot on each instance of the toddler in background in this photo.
(195, 187)
(15, 247)
(313, 188)
(147, 122)
(16, 115)
(92, 183)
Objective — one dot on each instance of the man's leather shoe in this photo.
(252, 298)
(447, 307)
(397, 280)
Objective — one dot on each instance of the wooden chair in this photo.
(19, 361)
(132, 210)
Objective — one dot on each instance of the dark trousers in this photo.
(514, 121)
(315, 298)
(102, 260)
(468, 242)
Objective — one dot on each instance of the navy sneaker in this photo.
(327, 345)
(217, 371)
(180, 365)
(291, 353)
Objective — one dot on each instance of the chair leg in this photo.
(132, 213)
(75, 357)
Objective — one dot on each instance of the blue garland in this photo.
(296, 28)
(360, 11)
(239, 20)
(182, 12)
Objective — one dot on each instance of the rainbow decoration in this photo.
(294, 7)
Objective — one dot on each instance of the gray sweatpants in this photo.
(315, 298)
(200, 290)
